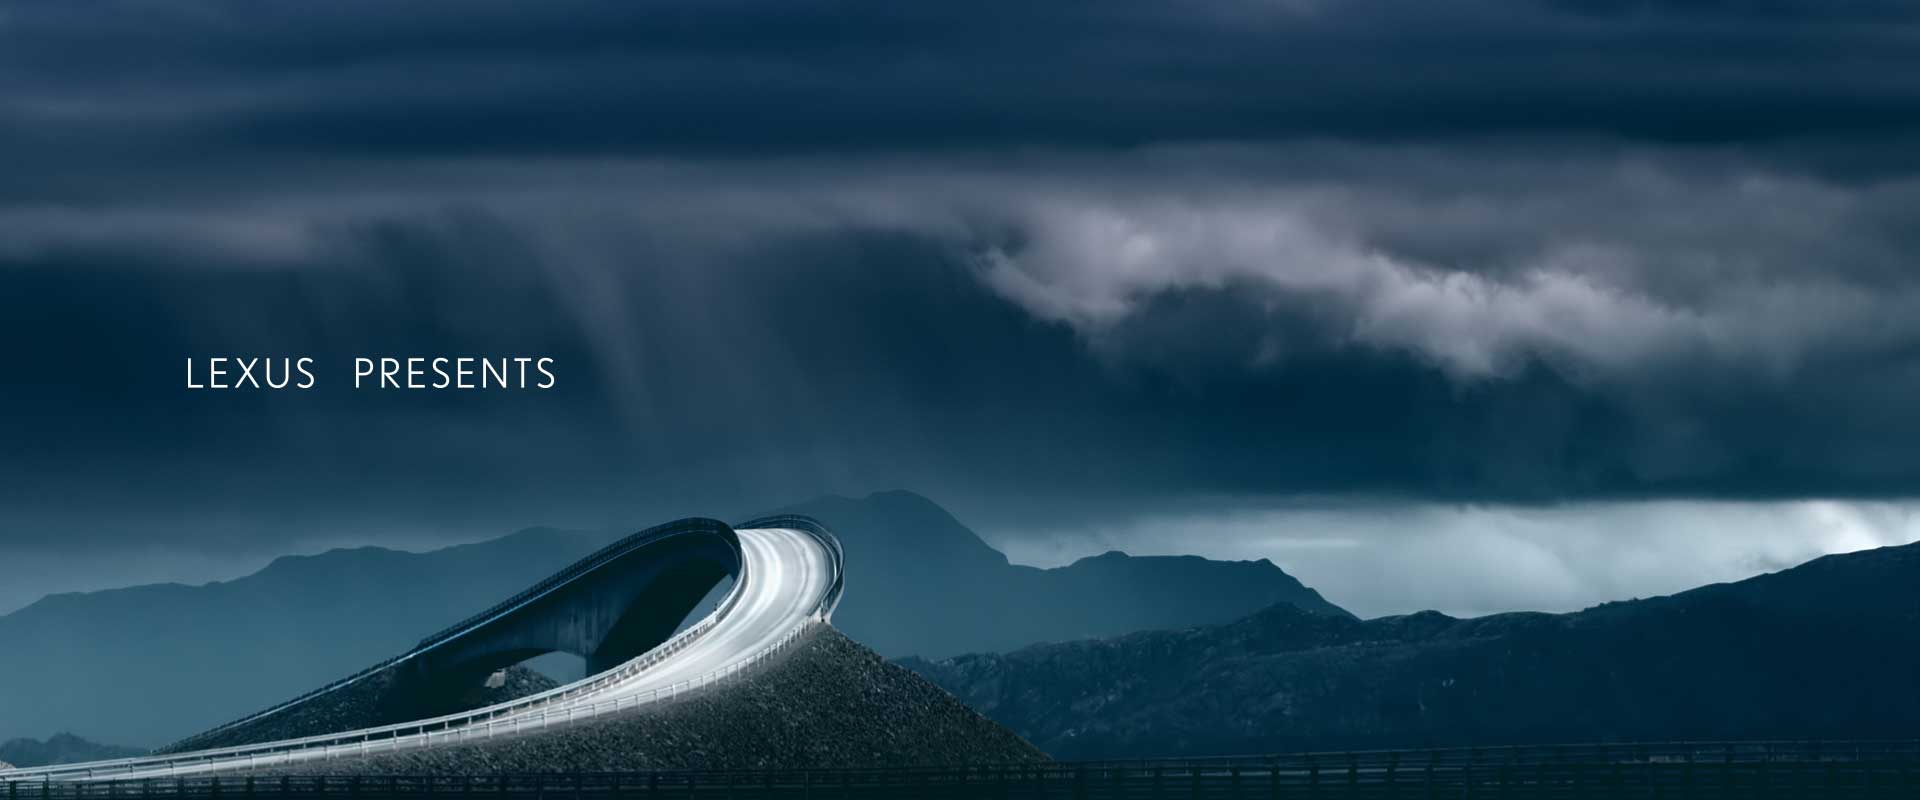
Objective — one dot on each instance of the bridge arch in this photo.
(617, 603)
(607, 609)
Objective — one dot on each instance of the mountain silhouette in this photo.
(936, 589)
(60, 748)
(1829, 649)
(147, 664)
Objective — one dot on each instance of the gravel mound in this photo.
(366, 703)
(827, 703)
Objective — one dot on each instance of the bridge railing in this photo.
(454, 729)
(255, 753)
(511, 716)
(1678, 751)
(592, 561)
(1771, 769)
(544, 711)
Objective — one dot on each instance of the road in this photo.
(789, 570)
(791, 581)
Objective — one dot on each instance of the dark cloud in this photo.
(429, 79)
(1046, 262)
(1166, 330)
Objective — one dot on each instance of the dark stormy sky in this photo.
(1473, 304)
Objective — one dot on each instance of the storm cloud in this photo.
(1061, 265)
(754, 77)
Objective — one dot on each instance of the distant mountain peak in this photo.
(60, 748)
(899, 526)
(896, 501)
(902, 496)
(940, 589)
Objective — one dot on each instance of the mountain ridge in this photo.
(1822, 642)
(60, 748)
(948, 592)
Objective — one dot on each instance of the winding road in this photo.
(788, 578)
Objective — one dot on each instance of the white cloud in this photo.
(1588, 307)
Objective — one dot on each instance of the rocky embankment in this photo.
(366, 703)
(826, 703)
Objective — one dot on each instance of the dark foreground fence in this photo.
(1684, 770)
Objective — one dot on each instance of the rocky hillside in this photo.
(1830, 649)
(826, 703)
(60, 748)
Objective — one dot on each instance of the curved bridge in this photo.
(617, 608)
(607, 615)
